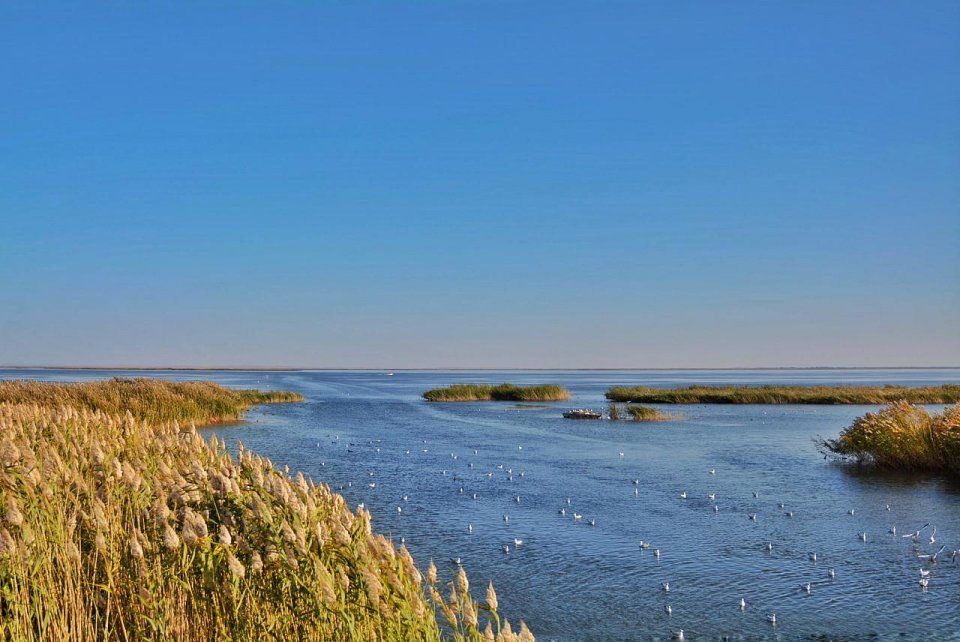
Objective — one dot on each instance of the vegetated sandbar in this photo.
(903, 437)
(825, 395)
(116, 526)
(502, 392)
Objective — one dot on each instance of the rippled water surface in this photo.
(573, 581)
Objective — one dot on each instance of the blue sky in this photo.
(495, 184)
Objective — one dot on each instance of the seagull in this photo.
(678, 636)
(372, 484)
(506, 549)
(667, 609)
(716, 509)
(753, 517)
(924, 582)
(893, 530)
(399, 510)
(683, 495)
(832, 573)
(456, 560)
(862, 536)
(518, 499)
(360, 505)
(743, 604)
(563, 511)
(577, 517)
(924, 573)
(469, 528)
(593, 522)
(712, 496)
(933, 536)
(461, 490)
(772, 619)
(813, 557)
(506, 519)
(644, 545)
(888, 506)
(636, 492)
(568, 501)
(851, 511)
(636, 482)
(517, 543)
(780, 504)
(404, 498)
(769, 547)
(621, 454)
(932, 558)
(665, 586)
(805, 587)
(789, 513)
(656, 553)
(713, 471)
(474, 495)
(756, 494)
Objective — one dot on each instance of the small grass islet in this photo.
(825, 395)
(120, 522)
(502, 392)
(902, 437)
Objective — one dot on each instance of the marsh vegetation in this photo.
(825, 395)
(502, 392)
(903, 437)
(118, 521)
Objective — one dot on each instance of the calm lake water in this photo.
(573, 581)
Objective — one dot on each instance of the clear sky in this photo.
(480, 184)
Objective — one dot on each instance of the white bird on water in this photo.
(469, 528)
(577, 517)
(716, 509)
(713, 471)
(656, 553)
(924, 582)
(862, 536)
(665, 586)
(668, 610)
(813, 557)
(712, 496)
(832, 574)
(743, 604)
(644, 545)
(924, 573)
(678, 636)
(683, 494)
(805, 587)
(769, 547)
(563, 511)
(756, 494)
(851, 511)
(506, 519)
(517, 543)
(753, 517)
(932, 558)
(506, 549)
(772, 619)
(893, 530)
(933, 536)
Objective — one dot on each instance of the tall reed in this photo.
(116, 527)
(904, 437)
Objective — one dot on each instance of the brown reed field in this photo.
(903, 437)
(118, 521)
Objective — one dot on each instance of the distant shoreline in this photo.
(464, 369)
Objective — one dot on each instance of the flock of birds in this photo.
(920, 537)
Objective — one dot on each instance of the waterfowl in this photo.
(813, 557)
(753, 517)
(716, 509)
(933, 536)
(656, 553)
(712, 496)
(772, 619)
(563, 511)
(805, 587)
(769, 547)
(644, 545)
(832, 574)
(506, 549)
(577, 517)
(399, 510)
(469, 528)
(593, 522)
(667, 609)
(506, 519)
(862, 536)
(924, 573)
(756, 494)
(678, 635)
(517, 543)
(683, 494)
(851, 511)
(743, 604)
(713, 471)
(924, 582)
(665, 587)
(518, 499)
(789, 513)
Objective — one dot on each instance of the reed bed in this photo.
(646, 413)
(825, 395)
(154, 400)
(903, 437)
(502, 392)
(116, 527)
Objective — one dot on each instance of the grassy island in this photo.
(502, 392)
(825, 395)
(903, 437)
(119, 521)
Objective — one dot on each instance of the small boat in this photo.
(582, 413)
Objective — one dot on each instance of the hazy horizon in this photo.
(481, 185)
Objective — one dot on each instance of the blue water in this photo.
(573, 581)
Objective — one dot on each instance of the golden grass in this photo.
(786, 394)
(118, 527)
(903, 437)
(154, 400)
(502, 392)
(646, 413)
